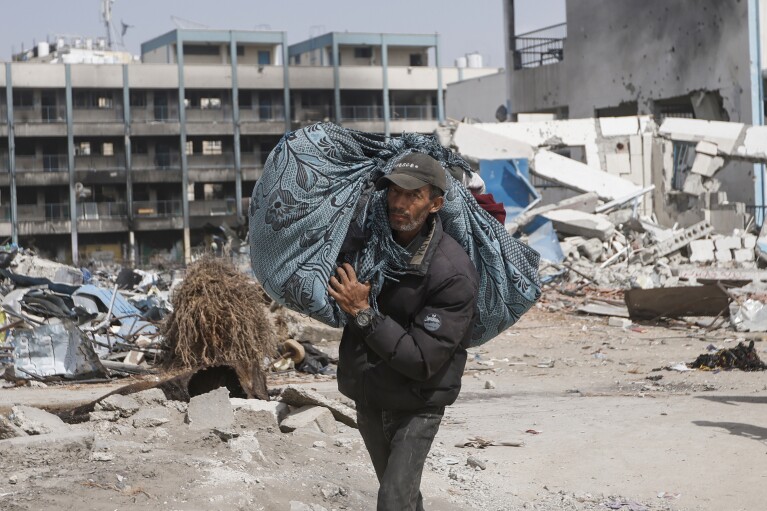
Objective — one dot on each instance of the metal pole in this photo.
(11, 153)
(440, 97)
(286, 80)
(182, 146)
(757, 102)
(385, 66)
(236, 123)
(71, 163)
(128, 166)
(336, 81)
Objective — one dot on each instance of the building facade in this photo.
(133, 161)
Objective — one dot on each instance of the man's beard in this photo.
(411, 225)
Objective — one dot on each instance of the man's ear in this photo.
(436, 204)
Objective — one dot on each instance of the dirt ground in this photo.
(603, 426)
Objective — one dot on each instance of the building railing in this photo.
(46, 163)
(198, 114)
(312, 113)
(540, 47)
(218, 207)
(160, 161)
(264, 113)
(157, 113)
(87, 115)
(157, 209)
(210, 161)
(362, 113)
(99, 210)
(413, 112)
(44, 114)
(42, 213)
(100, 162)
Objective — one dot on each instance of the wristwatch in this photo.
(363, 318)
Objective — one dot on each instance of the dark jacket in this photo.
(413, 355)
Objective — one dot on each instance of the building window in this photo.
(210, 103)
(108, 149)
(211, 147)
(264, 58)
(297, 60)
(240, 50)
(83, 149)
(416, 59)
(364, 52)
(189, 147)
(93, 100)
(200, 49)
(23, 98)
(138, 98)
(139, 147)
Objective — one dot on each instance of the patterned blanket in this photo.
(317, 193)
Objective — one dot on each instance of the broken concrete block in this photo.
(134, 358)
(310, 416)
(61, 441)
(744, 255)
(578, 223)
(749, 241)
(9, 430)
(298, 396)
(693, 185)
(126, 405)
(702, 251)
(580, 176)
(724, 134)
(35, 421)
(728, 243)
(150, 397)
(592, 249)
(706, 165)
(723, 256)
(211, 410)
(259, 414)
(104, 415)
(707, 148)
(248, 447)
(619, 322)
(618, 163)
(150, 417)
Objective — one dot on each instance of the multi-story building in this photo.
(143, 158)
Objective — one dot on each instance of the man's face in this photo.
(408, 209)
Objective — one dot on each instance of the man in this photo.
(403, 364)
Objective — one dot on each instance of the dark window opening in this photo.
(23, 98)
(264, 58)
(364, 52)
(416, 59)
(201, 49)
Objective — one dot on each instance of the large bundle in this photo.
(317, 192)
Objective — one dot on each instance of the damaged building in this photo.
(664, 60)
(139, 161)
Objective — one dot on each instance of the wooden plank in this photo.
(674, 302)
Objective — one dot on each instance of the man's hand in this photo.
(350, 294)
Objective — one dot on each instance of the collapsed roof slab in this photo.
(755, 144)
(569, 133)
(579, 176)
(483, 145)
(726, 135)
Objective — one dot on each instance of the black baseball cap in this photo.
(414, 171)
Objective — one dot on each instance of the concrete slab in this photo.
(299, 396)
(744, 255)
(35, 421)
(9, 430)
(724, 134)
(211, 410)
(723, 256)
(312, 417)
(482, 145)
(151, 417)
(126, 405)
(618, 126)
(578, 223)
(728, 243)
(755, 143)
(618, 163)
(258, 414)
(706, 165)
(708, 148)
(579, 176)
(60, 441)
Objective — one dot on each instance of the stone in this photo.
(474, 462)
(728, 243)
(489, 384)
(693, 185)
(749, 241)
(619, 322)
(320, 444)
(744, 255)
(592, 249)
(702, 251)
(35, 421)
(126, 405)
(257, 413)
(298, 396)
(247, 446)
(9, 430)
(312, 417)
(104, 415)
(59, 441)
(211, 410)
(150, 417)
(578, 223)
(150, 397)
(723, 256)
(102, 456)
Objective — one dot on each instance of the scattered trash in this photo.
(742, 356)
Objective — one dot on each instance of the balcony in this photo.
(160, 161)
(44, 114)
(362, 113)
(210, 161)
(312, 113)
(46, 163)
(43, 213)
(157, 209)
(413, 112)
(97, 115)
(100, 162)
(101, 210)
(197, 114)
(540, 47)
(220, 207)
(262, 113)
(159, 113)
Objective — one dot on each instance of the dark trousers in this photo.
(398, 443)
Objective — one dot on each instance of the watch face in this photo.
(362, 318)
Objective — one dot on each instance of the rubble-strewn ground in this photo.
(602, 429)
